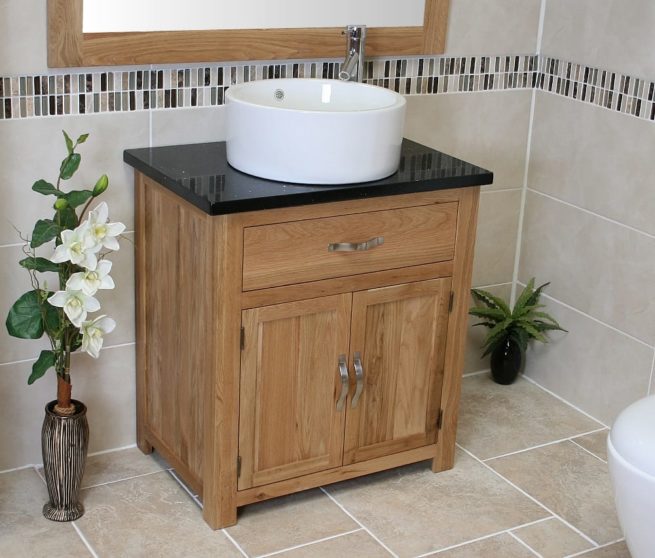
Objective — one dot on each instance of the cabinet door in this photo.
(400, 334)
(289, 424)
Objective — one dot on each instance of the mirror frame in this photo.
(69, 46)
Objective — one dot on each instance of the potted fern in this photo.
(510, 330)
(76, 239)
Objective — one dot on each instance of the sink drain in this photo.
(279, 94)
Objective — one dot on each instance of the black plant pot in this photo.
(506, 361)
(64, 443)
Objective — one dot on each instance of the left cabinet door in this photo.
(291, 382)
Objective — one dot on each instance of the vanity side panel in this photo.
(175, 302)
(454, 359)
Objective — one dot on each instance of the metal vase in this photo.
(64, 443)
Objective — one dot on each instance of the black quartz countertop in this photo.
(200, 174)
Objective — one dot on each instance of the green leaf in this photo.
(69, 166)
(490, 300)
(525, 295)
(491, 313)
(101, 185)
(44, 231)
(45, 361)
(66, 218)
(69, 142)
(82, 138)
(39, 264)
(536, 295)
(25, 320)
(45, 188)
(532, 331)
(78, 197)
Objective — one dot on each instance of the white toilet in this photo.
(631, 446)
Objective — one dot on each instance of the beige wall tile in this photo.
(594, 265)
(572, 483)
(274, 525)
(595, 443)
(489, 129)
(105, 385)
(31, 149)
(23, 44)
(495, 243)
(149, 516)
(594, 367)
(495, 420)
(594, 158)
(610, 34)
(496, 27)
(475, 335)
(193, 125)
(501, 545)
(552, 538)
(414, 511)
(354, 544)
(23, 529)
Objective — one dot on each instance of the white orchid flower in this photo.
(75, 247)
(93, 333)
(75, 304)
(90, 281)
(99, 231)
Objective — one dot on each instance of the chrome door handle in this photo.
(356, 246)
(343, 372)
(359, 376)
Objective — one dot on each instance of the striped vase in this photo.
(64, 443)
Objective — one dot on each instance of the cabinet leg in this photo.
(218, 517)
(144, 445)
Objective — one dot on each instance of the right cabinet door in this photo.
(397, 346)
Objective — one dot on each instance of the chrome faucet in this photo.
(352, 68)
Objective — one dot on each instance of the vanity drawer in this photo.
(298, 251)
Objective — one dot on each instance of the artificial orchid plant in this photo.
(82, 239)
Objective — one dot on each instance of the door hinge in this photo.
(451, 301)
(243, 338)
(440, 419)
(238, 466)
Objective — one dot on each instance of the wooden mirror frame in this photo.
(69, 46)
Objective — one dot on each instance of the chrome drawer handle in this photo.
(359, 376)
(343, 372)
(356, 246)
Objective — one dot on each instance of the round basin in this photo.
(314, 131)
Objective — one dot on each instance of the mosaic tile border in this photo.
(157, 88)
(203, 86)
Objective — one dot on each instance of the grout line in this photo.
(104, 452)
(179, 481)
(22, 467)
(84, 540)
(651, 387)
(12, 245)
(122, 480)
(589, 452)
(526, 545)
(524, 188)
(499, 190)
(588, 550)
(530, 523)
(543, 445)
(310, 543)
(344, 510)
(586, 537)
(40, 475)
(528, 379)
(540, 30)
(235, 543)
(589, 212)
(478, 373)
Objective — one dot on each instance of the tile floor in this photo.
(530, 479)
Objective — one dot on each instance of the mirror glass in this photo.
(102, 16)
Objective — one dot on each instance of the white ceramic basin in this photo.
(314, 131)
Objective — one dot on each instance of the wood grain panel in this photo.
(69, 46)
(297, 252)
(289, 425)
(401, 334)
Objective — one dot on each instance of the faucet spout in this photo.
(352, 68)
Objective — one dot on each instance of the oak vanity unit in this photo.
(291, 336)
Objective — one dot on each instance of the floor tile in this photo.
(495, 420)
(596, 443)
(504, 546)
(359, 544)
(289, 521)
(149, 516)
(414, 511)
(572, 483)
(23, 529)
(618, 550)
(552, 538)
